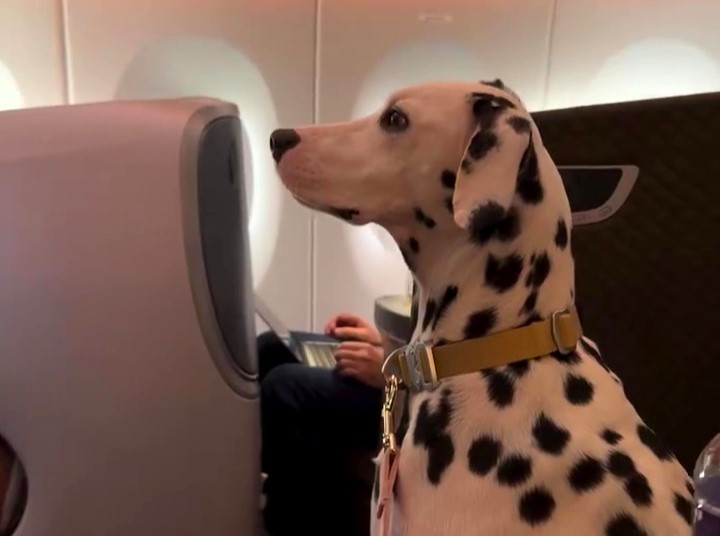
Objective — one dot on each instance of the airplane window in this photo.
(10, 96)
(223, 218)
(589, 188)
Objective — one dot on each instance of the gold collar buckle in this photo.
(555, 331)
(420, 366)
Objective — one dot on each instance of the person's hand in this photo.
(362, 361)
(347, 327)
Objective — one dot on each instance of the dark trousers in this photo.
(312, 421)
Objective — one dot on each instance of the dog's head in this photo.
(442, 152)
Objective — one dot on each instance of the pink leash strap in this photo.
(388, 475)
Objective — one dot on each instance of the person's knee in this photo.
(272, 352)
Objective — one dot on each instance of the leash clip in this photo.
(389, 442)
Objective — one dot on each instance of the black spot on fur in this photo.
(638, 489)
(408, 260)
(651, 441)
(534, 317)
(529, 187)
(485, 113)
(430, 309)
(440, 456)
(484, 99)
(519, 368)
(448, 178)
(404, 423)
(578, 390)
(536, 506)
(483, 455)
(431, 432)
(514, 470)
(503, 274)
(481, 144)
(549, 436)
(480, 323)
(586, 474)
(414, 245)
(567, 359)
(624, 524)
(423, 218)
(509, 227)
(595, 355)
(519, 124)
(611, 437)
(621, 465)
(429, 423)
(483, 220)
(684, 507)
(449, 205)
(539, 271)
(500, 388)
(530, 303)
(561, 234)
(448, 297)
(346, 214)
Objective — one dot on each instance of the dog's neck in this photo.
(467, 289)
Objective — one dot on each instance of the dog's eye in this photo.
(394, 120)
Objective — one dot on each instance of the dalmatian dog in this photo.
(457, 173)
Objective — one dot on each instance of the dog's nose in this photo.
(281, 141)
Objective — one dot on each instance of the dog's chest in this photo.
(544, 445)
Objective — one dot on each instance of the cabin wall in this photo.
(287, 62)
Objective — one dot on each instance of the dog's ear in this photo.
(487, 178)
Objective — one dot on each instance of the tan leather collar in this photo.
(419, 366)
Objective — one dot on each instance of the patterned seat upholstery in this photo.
(647, 278)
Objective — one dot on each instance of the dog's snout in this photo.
(281, 141)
